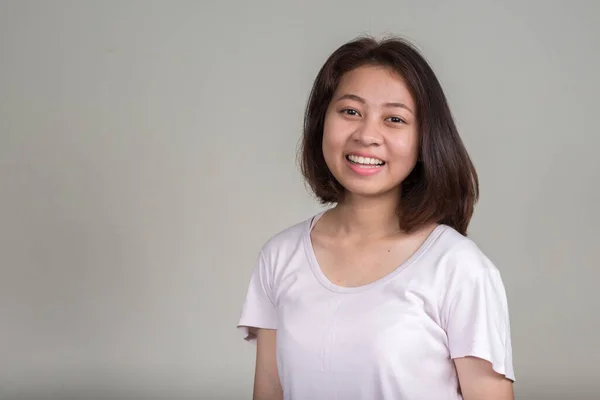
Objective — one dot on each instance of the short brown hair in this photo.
(443, 187)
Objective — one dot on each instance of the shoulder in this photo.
(462, 268)
(460, 256)
(286, 240)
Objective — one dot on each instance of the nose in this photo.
(368, 133)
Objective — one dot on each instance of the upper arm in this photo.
(478, 381)
(259, 322)
(475, 314)
(266, 379)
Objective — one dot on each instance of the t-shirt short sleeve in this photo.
(259, 309)
(475, 310)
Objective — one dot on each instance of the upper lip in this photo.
(360, 154)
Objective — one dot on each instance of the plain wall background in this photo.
(147, 151)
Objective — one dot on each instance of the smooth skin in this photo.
(372, 112)
(266, 378)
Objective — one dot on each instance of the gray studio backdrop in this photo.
(147, 151)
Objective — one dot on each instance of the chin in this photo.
(369, 190)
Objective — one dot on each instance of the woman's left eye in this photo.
(396, 120)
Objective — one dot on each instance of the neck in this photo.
(364, 217)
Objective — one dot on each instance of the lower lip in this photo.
(363, 170)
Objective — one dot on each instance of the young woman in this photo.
(382, 296)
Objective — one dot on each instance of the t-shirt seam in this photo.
(449, 253)
(328, 285)
(263, 261)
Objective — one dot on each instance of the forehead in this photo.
(376, 84)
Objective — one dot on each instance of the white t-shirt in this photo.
(394, 338)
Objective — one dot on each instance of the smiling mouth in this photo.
(365, 161)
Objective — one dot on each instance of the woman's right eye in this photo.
(349, 111)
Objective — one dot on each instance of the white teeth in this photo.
(365, 160)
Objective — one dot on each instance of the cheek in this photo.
(406, 146)
(333, 137)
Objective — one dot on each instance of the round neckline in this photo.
(324, 281)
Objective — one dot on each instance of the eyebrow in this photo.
(363, 101)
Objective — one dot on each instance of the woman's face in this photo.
(370, 137)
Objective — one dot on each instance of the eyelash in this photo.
(347, 110)
(400, 120)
